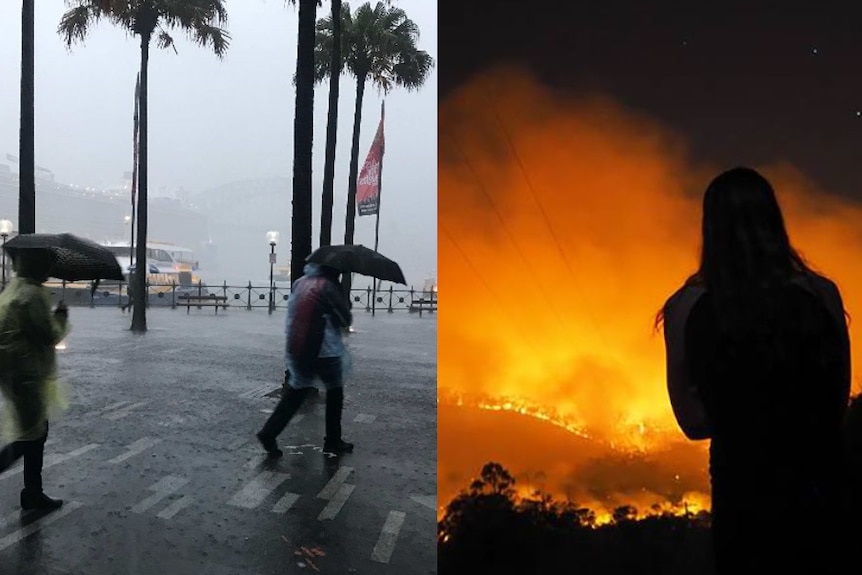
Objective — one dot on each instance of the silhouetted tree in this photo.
(148, 20)
(26, 141)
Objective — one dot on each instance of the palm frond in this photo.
(76, 23)
(165, 40)
(379, 43)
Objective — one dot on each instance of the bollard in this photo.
(390, 299)
(173, 295)
(249, 296)
(368, 299)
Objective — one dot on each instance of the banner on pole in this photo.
(368, 186)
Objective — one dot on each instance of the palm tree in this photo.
(378, 44)
(149, 20)
(26, 142)
(331, 126)
(303, 137)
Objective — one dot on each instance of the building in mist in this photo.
(104, 215)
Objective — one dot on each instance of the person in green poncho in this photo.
(29, 332)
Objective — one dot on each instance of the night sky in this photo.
(744, 82)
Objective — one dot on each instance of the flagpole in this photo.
(379, 191)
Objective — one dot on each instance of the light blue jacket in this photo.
(337, 315)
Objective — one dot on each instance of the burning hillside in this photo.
(564, 224)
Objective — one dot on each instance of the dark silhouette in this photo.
(759, 363)
(303, 139)
(335, 66)
(29, 330)
(26, 142)
(316, 315)
(489, 529)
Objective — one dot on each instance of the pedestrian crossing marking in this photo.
(255, 491)
(31, 528)
(336, 502)
(388, 537)
(334, 484)
(136, 448)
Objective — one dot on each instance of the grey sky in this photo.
(216, 121)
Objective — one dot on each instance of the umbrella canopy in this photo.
(359, 260)
(75, 258)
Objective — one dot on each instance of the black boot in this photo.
(281, 416)
(333, 443)
(32, 496)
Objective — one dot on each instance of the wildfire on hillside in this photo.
(565, 222)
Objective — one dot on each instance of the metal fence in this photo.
(246, 297)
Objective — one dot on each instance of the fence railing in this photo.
(247, 297)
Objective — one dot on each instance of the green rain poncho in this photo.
(29, 330)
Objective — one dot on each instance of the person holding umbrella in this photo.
(316, 314)
(29, 332)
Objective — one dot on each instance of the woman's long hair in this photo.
(745, 246)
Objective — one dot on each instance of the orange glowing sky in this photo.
(565, 222)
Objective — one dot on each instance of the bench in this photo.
(210, 300)
(423, 304)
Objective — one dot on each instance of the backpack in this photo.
(308, 322)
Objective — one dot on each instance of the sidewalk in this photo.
(162, 474)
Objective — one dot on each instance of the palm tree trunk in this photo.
(139, 291)
(303, 136)
(331, 128)
(26, 142)
(354, 174)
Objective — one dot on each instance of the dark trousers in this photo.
(329, 371)
(33, 453)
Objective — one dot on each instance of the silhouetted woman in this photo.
(758, 361)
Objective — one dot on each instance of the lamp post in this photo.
(5, 230)
(272, 238)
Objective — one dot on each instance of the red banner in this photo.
(368, 186)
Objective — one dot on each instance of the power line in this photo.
(509, 234)
(498, 299)
(544, 214)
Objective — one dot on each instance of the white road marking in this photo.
(112, 407)
(256, 490)
(175, 507)
(364, 418)
(285, 503)
(52, 459)
(332, 487)
(258, 392)
(429, 501)
(337, 502)
(388, 537)
(120, 413)
(38, 524)
(136, 448)
(163, 488)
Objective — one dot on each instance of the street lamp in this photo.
(5, 230)
(272, 238)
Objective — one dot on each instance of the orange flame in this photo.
(565, 222)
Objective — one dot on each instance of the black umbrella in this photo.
(75, 258)
(360, 260)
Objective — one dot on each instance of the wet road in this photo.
(161, 473)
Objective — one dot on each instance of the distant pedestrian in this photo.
(316, 314)
(29, 332)
(758, 361)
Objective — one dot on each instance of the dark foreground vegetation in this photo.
(490, 529)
